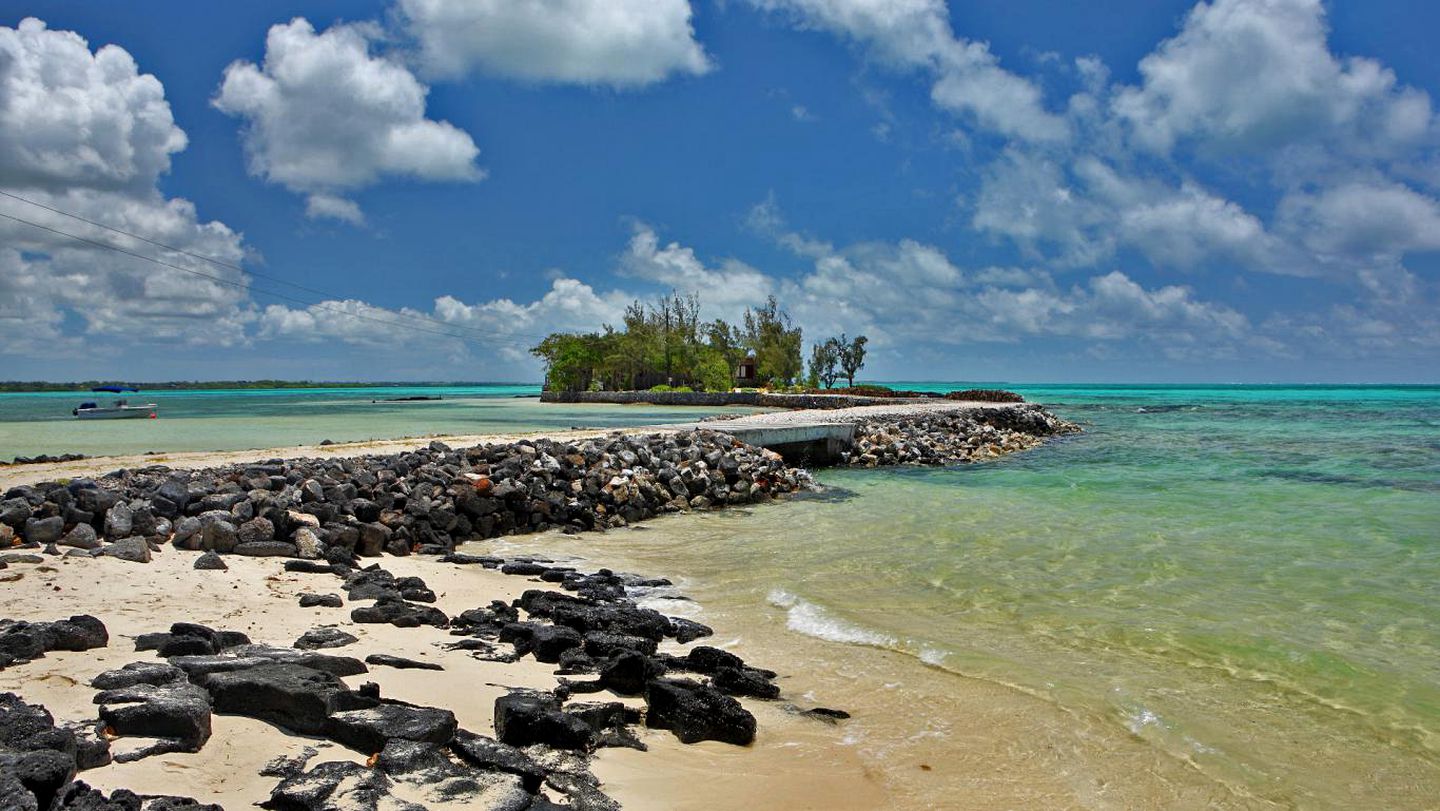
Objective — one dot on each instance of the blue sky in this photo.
(1240, 190)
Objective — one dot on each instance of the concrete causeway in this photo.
(818, 437)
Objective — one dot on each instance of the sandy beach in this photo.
(257, 597)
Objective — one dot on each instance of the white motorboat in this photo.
(119, 410)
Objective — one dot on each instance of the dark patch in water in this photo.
(1312, 477)
(827, 494)
(1161, 409)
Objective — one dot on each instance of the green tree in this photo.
(824, 357)
(712, 371)
(666, 343)
(851, 356)
(775, 342)
(726, 339)
(571, 360)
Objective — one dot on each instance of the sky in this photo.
(1025, 191)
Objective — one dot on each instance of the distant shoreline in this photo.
(35, 386)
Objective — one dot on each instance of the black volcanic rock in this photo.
(525, 717)
(697, 712)
(290, 696)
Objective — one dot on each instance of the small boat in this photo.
(120, 410)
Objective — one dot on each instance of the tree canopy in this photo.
(834, 358)
(665, 343)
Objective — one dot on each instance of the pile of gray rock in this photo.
(948, 438)
(427, 500)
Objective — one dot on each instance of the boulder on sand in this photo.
(290, 696)
(367, 730)
(697, 712)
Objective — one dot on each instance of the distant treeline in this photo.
(184, 385)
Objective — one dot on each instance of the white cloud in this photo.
(1363, 222)
(71, 117)
(1191, 226)
(87, 133)
(1031, 199)
(908, 294)
(1258, 74)
(916, 34)
(621, 43)
(322, 206)
(497, 333)
(730, 287)
(325, 116)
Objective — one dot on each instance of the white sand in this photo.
(257, 597)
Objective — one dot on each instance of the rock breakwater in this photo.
(952, 437)
(427, 500)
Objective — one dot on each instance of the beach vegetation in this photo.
(851, 356)
(664, 343)
(775, 342)
(824, 364)
(985, 396)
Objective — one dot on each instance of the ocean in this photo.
(1215, 596)
(229, 420)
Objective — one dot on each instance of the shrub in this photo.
(986, 396)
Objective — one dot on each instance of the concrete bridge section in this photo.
(816, 438)
(810, 444)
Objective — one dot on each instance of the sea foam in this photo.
(806, 618)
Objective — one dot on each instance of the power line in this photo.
(248, 288)
(221, 263)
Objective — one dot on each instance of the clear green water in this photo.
(1244, 579)
(34, 423)
(1247, 577)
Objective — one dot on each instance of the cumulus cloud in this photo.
(911, 294)
(1258, 74)
(729, 287)
(1079, 211)
(325, 116)
(497, 332)
(916, 34)
(1363, 222)
(87, 133)
(72, 117)
(621, 43)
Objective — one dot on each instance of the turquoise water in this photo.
(1247, 577)
(35, 423)
(1244, 580)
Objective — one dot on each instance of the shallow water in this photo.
(35, 423)
(1214, 596)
